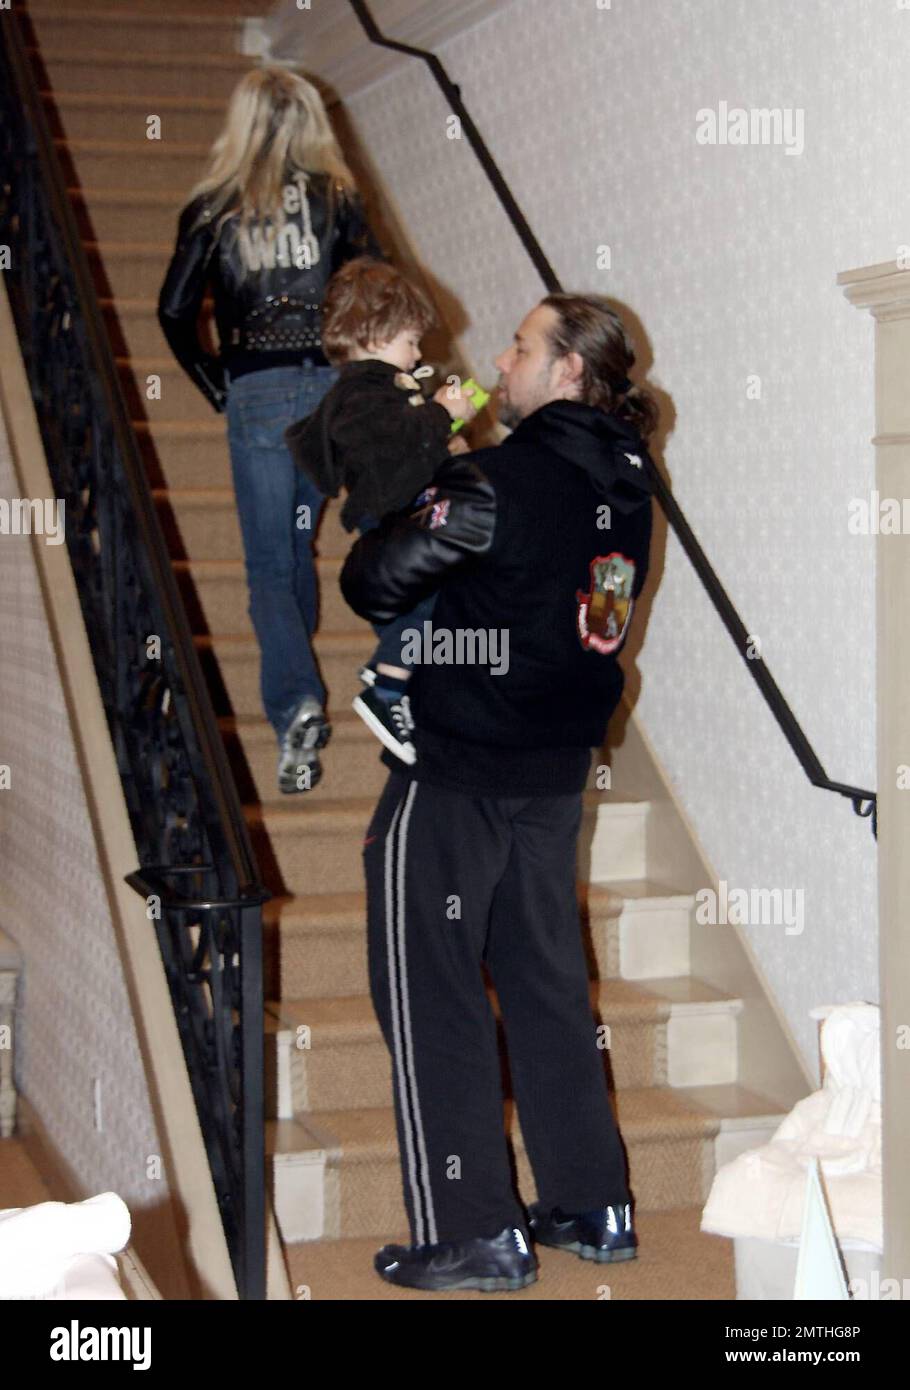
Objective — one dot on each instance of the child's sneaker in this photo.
(390, 721)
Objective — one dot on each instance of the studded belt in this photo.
(282, 323)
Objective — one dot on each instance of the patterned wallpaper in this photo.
(74, 1022)
(724, 258)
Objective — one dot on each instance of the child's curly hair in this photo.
(370, 301)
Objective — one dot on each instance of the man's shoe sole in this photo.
(591, 1252)
(492, 1283)
(379, 729)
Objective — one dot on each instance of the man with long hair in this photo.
(539, 548)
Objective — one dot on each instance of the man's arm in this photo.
(407, 557)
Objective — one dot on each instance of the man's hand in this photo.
(459, 445)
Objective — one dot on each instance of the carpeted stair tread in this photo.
(646, 1114)
(241, 643)
(335, 813)
(99, 58)
(317, 911)
(316, 807)
(632, 891)
(136, 198)
(676, 1260)
(351, 1017)
(346, 725)
(128, 100)
(154, 249)
(159, 9)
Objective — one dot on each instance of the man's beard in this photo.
(507, 414)
(511, 415)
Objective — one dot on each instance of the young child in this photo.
(377, 435)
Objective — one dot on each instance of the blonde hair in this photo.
(276, 121)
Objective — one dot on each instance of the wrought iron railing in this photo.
(864, 802)
(198, 872)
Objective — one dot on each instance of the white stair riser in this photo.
(702, 1048)
(299, 1186)
(618, 842)
(654, 944)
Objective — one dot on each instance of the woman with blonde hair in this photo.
(275, 216)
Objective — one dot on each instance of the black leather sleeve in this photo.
(409, 555)
(179, 304)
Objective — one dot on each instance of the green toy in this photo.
(479, 398)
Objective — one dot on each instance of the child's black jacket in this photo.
(366, 435)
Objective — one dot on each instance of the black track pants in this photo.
(454, 879)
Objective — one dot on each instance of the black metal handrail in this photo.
(864, 802)
(184, 809)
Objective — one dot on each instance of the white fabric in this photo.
(761, 1192)
(43, 1248)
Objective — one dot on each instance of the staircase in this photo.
(674, 1038)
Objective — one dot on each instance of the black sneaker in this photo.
(299, 768)
(390, 721)
(497, 1263)
(604, 1235)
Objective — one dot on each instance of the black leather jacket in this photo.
(268, 294)
(544, 541)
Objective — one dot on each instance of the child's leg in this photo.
(392, 671)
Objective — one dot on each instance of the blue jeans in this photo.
(389, 634)
(272, 501)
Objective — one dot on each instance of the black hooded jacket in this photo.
(543, 541)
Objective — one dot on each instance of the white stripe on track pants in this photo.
(454, 881)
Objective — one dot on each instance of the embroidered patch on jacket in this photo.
(605, 611)
(439, 514)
